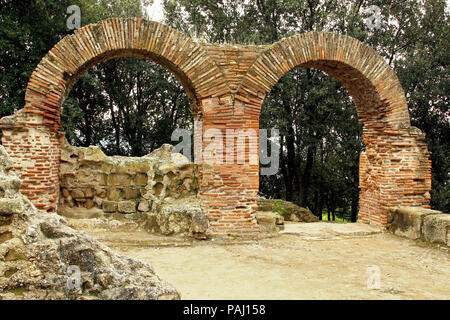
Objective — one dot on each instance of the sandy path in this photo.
(292, 267)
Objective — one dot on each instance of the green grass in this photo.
(325, 218)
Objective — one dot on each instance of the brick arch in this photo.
(371, 82)
(33, 135)
(226, 85)
(395, 168)
(53, 78)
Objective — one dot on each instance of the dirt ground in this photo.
(306, 261)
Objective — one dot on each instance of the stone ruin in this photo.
(159, 190)
(37, 248)
(226, 86)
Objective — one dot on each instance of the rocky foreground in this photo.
(41, 256)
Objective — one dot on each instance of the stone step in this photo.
(329, 230)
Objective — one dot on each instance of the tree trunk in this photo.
(315, 210)
(307, 174)
(286, 177)
(291, 167)
(116, 127)
(355, 196)
(290, 161)
(320, 207)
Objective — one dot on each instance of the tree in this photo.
(135, 107)
(25, 37)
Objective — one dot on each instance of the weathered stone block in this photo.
(172, 221)
(103, 179)
(65, 193)
(407, 221)
(89, 193)
(436, 228)
(144, 206)
(120, 179)
(131, 193)
(10, 206)
(141, 179)
(269, 221)
(109, 206)
(89, 204)
(77, 194)
(182, 217)
(100, 192)
(127, 206)
(113, 194)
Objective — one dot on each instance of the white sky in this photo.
(156, 11)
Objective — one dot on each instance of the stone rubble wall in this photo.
(124, 185)
(420, 223)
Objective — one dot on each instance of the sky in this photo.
(155, 11)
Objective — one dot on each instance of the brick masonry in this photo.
(226, 85)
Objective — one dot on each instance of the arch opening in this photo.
(127, 108)
(168, 65)
(141, 102)
(321, 140)
(394, 169)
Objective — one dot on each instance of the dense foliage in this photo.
(129, 106)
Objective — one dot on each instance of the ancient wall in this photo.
(226, 85)
(89, 179)
(419, 223)
(35, 158)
